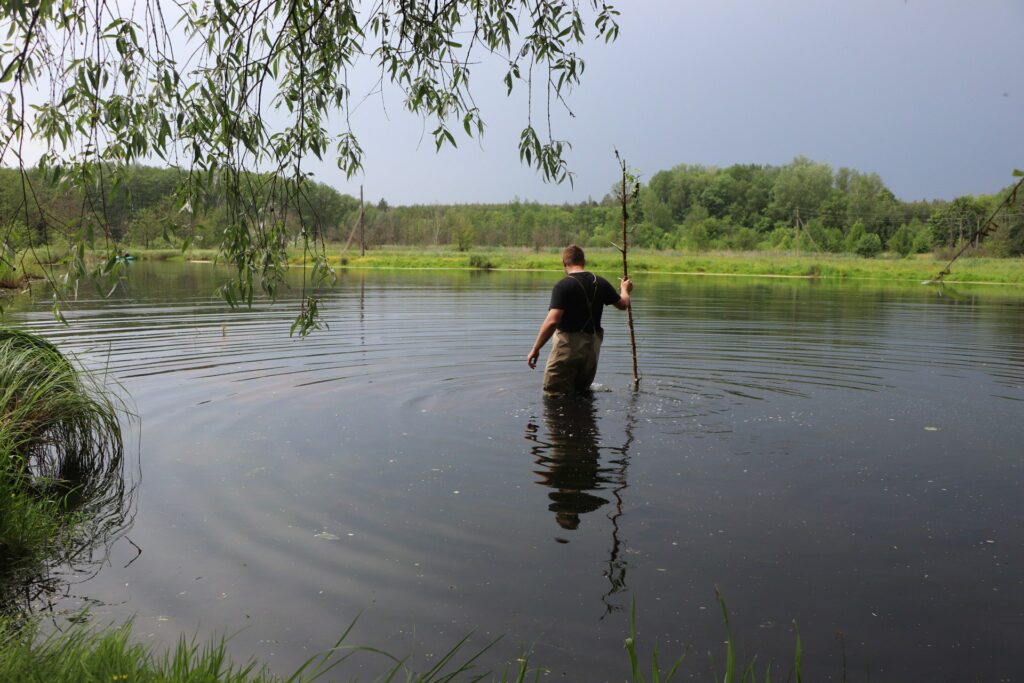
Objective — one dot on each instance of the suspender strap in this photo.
(590, 303)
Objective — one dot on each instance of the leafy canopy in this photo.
(222, 88)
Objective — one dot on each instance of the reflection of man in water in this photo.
(574, 318)
(570, 460)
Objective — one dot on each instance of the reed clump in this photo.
(61, 460)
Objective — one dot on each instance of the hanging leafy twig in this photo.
(259, 90)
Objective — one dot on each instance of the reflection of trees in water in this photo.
(569, 461)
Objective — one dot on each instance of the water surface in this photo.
(847, 457)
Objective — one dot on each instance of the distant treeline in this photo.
(801, 206)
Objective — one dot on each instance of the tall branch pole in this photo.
(625, 196)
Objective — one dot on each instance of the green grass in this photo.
(756, 263)
(10, 278)
(18, 269)
(85, 653)
(608, 260)
(173, 254)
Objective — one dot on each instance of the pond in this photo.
(845, 457)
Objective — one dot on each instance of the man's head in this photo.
(573, 256)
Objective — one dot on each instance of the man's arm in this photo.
(625, 287)
(547, 328)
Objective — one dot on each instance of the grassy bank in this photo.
(608, 260)
(825, 266)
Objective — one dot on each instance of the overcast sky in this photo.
(927, 93)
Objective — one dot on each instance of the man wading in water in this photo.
(574, 317)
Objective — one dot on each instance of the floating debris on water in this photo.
(326, 536)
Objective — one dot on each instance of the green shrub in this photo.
(480, 261)
(869, 245)
(1008, 239)
(832, 240)
(697, 237)
(923, 240)
(853, 237)
(902, 241)
(744, 239)
(781, 238)
(465, 236)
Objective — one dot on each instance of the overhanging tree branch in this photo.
(116, 100)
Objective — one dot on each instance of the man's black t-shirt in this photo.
(582, 296)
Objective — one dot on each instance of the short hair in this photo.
(573, 256)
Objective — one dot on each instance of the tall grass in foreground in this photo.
(61, 462)
(734, 670)
(82, 653)
(86, 654)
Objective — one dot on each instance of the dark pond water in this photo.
(845, 457)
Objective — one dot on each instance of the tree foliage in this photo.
(240, 94)
(144, 213)
(805, 205)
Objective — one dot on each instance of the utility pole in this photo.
(362, 213)
(803, 228)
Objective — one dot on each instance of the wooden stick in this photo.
(625, 197)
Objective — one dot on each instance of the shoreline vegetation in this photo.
(914, 269)
(720, 263)
(801, 219)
